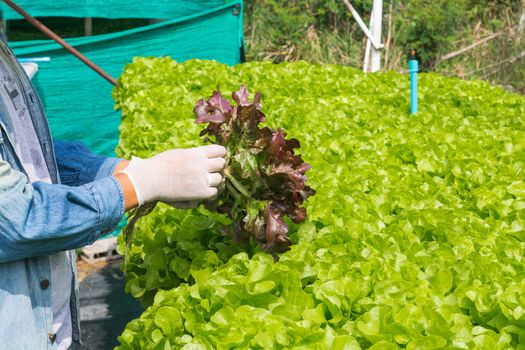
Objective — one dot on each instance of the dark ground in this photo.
(105, 308)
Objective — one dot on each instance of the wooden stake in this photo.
(470, 47)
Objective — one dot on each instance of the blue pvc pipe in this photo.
(413, 67)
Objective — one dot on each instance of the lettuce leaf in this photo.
(265, 179)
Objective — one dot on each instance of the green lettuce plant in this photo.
(414, 239)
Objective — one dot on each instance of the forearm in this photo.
(130, 197)
(42, 219)
(121, 166)
(77, 165)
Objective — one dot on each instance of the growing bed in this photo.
(415, 238)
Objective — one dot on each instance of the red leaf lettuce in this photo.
(265, 179)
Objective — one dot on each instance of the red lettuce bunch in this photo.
(265, 179)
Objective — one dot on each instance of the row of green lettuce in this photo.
(415, 238)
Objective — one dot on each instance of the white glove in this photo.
(178, 205)
(178, 175)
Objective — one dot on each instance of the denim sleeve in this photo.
(42, 219)
(78, 166)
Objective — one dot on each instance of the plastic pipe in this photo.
(413, 67)
(35, 59)
(366, 59)
(377, 25)
(376, 44)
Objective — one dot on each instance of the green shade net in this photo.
(111, 8)
(78, 101)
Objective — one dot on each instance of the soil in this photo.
(84, 268)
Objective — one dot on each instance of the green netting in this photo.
(78, 101)
(112, 8)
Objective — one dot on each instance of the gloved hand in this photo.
(179, 175)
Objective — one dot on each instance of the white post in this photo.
(366, 59)
(376, 44)
(376, 29)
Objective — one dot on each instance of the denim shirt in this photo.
(39, 219)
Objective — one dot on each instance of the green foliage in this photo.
(170, 245)
(431, 27)
(414, 240)
(286, 30)
(325, 32)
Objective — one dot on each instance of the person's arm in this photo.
(130, 196)
(121, 166)
(77, 165)
(42, 219)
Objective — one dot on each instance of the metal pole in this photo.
(413, 67)
(376, 29)
(61, 41)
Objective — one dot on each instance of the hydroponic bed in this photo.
(415, 238)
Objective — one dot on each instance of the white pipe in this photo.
(375, 43)
(376, 28)
(366, 60)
